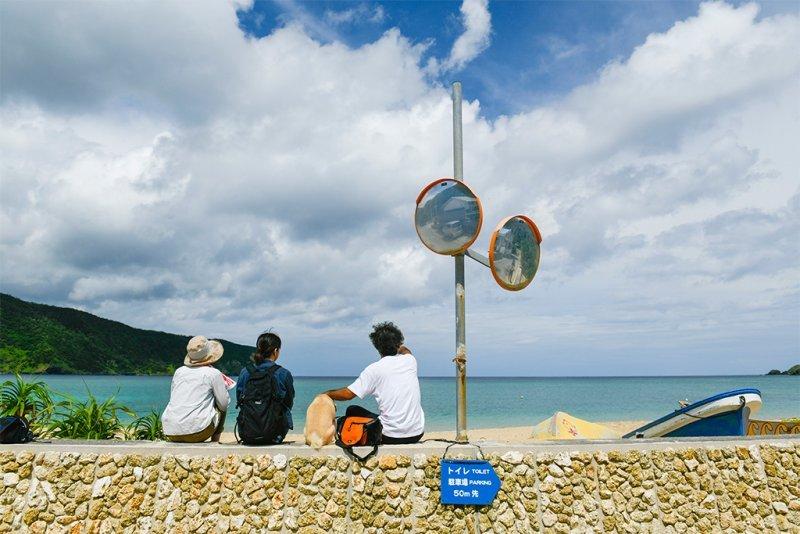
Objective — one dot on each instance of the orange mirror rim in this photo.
(536, 232)
(480, 216)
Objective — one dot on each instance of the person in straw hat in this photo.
(198, 399)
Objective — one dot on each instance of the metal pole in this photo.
(461, 337)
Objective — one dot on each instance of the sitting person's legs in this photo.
(197, 437)
(213, 431)
(220, 426)
(388, 440)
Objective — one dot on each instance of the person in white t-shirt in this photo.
(393, 382)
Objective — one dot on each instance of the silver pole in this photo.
(477, 256)
(461, 337)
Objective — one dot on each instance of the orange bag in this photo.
(353, 432)
(358, 427)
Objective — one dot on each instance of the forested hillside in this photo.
(36, 338)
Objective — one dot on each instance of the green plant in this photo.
(147, 427)
(30, 400)
(88, 419)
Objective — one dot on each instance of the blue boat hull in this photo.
(725, 424)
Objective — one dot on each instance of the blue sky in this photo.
(223, 168)
(539, 50)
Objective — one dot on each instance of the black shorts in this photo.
(388, 440)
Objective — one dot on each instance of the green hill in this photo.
(793, 370)
(36, 338)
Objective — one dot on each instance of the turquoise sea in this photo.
(492, 402)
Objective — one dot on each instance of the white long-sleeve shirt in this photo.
(194, 393)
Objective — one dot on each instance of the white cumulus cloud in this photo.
(191, 179)
(477, 23)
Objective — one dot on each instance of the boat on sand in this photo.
(724, 414)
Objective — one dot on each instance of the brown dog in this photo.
(320, 426)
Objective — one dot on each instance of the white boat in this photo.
(725, 414)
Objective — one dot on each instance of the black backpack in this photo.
(14, 429)
(262, 415)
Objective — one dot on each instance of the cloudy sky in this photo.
(225, 168)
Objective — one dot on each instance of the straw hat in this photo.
(202, 351)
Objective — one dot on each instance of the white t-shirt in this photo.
(393, 382)
(194, 394)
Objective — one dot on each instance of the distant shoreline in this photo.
(437, 377)
(89, 345)
(791, 371)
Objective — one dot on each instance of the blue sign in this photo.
(471, 482)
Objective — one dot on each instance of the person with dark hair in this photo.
(393, 381)
(259, 422)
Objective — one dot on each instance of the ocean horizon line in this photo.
(508, 377)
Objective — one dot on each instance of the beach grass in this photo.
(73, 418)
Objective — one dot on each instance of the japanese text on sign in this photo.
(469, 482)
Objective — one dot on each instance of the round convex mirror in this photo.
(514, 252)
(448, 217)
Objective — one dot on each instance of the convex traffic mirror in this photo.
(514, 252)
(448, 217)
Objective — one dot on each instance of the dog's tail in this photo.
(315, 440)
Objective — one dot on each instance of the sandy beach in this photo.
(514, 434)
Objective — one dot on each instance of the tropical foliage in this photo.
(30, 400)
(88, 419)
(147, 427)
(74, 418)
(35, 338)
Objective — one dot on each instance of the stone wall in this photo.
(742, 486)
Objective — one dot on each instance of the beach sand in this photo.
(514, 434)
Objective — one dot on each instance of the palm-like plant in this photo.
(147, 427)
(29, 400)
(89, 419)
